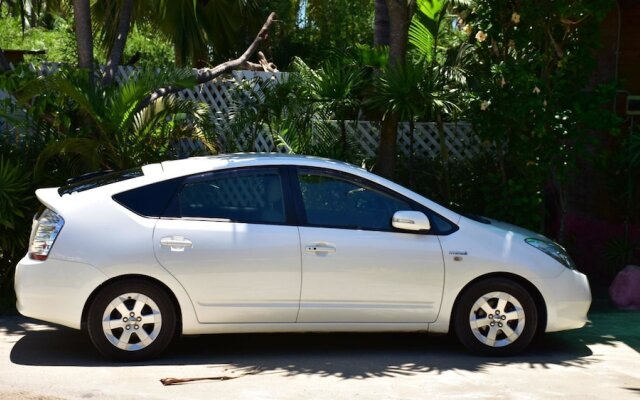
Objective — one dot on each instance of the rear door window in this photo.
(254, 195)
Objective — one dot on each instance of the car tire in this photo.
(496, 317)
(131, 320)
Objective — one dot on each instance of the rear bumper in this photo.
(55, 290)
(568, 298)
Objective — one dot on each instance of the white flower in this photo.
(503, 82)
(467, 29)
(536, 90)
(515, 18)
(484, 105)
(481, 36)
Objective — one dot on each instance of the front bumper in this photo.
(568, 298)
(55, 290)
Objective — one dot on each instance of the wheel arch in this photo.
(120, 278)
(538, 299)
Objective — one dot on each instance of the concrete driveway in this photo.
(602, 361)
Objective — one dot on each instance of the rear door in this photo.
(233, 246)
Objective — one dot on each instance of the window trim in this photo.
(294, 172)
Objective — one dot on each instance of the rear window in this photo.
(150, 200)
(101, 180)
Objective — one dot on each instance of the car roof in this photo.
(195, 165)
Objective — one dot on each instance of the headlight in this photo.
(554, 250)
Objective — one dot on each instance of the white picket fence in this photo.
(459, 137)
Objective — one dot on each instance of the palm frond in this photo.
(89, 150)
(14, 182)
(462, 3)
(422, 39)
(431, 8)
(128, 97)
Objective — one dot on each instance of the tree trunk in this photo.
(84, 36)
(412, 149)
(4, 63)
(444, 159)
(178, 54)
(343, 139)
(117, 48)
(386, 163)
(399, 18)
(381, 24)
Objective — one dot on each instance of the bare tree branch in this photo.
(207, 74)
(262, 65)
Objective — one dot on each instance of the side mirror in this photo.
(410, 221)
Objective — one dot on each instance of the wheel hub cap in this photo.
(131, 321)
(497, 319)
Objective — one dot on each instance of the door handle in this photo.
(176, 243)
(320, 248)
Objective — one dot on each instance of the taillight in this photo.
(45, 231)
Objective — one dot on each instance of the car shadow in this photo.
(342, 355)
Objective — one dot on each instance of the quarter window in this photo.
(331, 201)
(239, 196)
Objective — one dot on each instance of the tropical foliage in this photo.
(538, 75)
(65, 124)
(201, 32)
(516, 70)
(315, 30)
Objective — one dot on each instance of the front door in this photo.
(356, 267)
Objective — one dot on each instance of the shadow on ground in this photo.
(347, 356)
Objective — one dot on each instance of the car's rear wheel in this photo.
(131, 320)
(496, 317)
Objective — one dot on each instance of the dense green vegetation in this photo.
(516, 70)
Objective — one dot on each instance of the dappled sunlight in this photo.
(13, 326)
(609, 326)
(344, 356)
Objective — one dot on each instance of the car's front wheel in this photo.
(131, 320)
(496, 317)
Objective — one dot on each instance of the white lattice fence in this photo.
(424, 141)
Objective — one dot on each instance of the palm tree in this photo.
(272, 106)
(399, 15)
(84, 35)
(381, 24)
(446, 69)
(335, 88)
(402, 26)
(112, 127)
(125, 12)
(425, 85)
(197, 28)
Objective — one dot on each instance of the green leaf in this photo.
(431, 8)
(422, 39)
